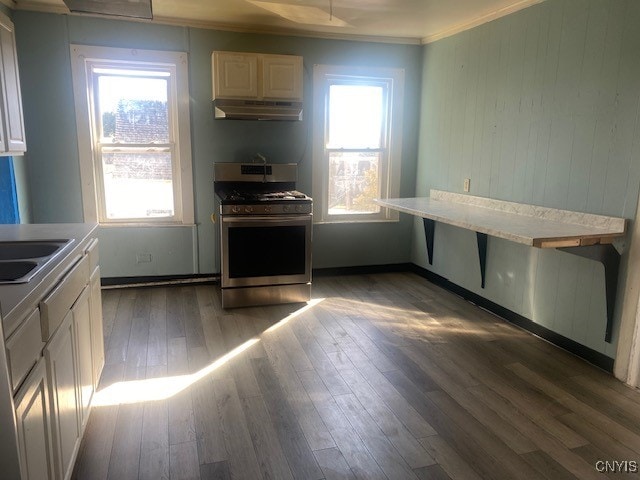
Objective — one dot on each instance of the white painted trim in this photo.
(633, 374)
(627, 364)
(83, 128)
(9, 4)
(486, 18)
(82, 57)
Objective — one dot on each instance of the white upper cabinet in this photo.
(282, 77)
(256, 76)
(235, 75)
(12, 132)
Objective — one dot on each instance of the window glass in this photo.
(356, 122)
(137, 184)
(133, 109)
(355, 116)
(353, 182)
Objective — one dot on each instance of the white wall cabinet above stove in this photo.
(12, 137)
(256, 76)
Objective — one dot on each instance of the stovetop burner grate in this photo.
(237, 195)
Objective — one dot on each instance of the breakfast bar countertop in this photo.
(528, 224)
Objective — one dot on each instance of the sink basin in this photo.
(15, 270)
(20, 261)
(22, 250)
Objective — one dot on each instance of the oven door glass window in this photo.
(267, 251)
(259, 251)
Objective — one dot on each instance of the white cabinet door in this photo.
(34, 430)
(14, 138)
(59, 355)
(97, 335)
(82, 328)
(235, 75)
(282, 77)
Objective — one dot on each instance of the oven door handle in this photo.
(267, 219)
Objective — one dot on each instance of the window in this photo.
(357, 142)
(133, 135)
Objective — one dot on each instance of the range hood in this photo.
(257, 110)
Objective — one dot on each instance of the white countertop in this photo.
(528, 224)
(17, 300)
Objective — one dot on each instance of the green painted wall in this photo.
(43, 53)
(539, 107)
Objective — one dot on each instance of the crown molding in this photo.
(486, 18)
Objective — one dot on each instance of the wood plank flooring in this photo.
(384, 376)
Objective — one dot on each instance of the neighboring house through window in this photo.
(132, 110)
(357, 142)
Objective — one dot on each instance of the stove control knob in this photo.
(235, 209)
(248, 209)
(267, 209)
(286, 208)
(298, 208)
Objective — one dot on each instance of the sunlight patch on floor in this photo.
(291, 316)
(154, 389)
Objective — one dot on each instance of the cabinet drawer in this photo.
(24, 348)
(58, 303)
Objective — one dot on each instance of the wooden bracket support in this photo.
(610, 259)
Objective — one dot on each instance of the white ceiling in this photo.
(410, 21)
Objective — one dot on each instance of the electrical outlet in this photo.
(143, 258)
(467, 184)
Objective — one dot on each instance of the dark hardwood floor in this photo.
(383, 376)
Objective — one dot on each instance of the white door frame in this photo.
(627, 363)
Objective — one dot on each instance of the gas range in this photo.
(250, 189)
(265, 234)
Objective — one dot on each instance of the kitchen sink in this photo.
(21, 250)
(20, 261)
(13, 270)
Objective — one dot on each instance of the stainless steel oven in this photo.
(265, 235)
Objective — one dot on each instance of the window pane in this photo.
(353, 182)
(355, 116)
(133, 109)
(137, 185)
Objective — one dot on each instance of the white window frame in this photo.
(389, 171)
(83, 60)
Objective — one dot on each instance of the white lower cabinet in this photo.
(63, 338)
(60, 359)
(97, 336)
(84, 361)
(34, 426)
